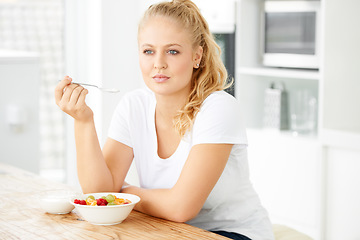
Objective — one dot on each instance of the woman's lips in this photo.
(160, 78)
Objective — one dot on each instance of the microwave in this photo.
(290, 34)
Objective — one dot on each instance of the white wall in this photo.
(101, 48)
(83, 64)
(120, 68)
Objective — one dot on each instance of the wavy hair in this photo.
(211, 75)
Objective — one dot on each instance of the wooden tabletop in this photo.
(22, 218)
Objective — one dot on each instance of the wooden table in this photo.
(22, 218)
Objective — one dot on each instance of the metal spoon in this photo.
(110, 90)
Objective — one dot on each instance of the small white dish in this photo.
(56, 201)
(106, 215)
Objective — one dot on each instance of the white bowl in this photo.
(106, 215)
(56, 201)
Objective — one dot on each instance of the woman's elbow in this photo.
(182, 214)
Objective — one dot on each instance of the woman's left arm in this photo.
(199, 175)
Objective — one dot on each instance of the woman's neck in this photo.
(168, 106)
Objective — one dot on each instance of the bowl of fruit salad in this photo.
(105, 208)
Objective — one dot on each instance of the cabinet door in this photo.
(19, 110)
(285, 171)
(341, 85)
(343, 195)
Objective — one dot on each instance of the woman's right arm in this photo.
(98, 171)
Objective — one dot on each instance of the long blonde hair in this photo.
(211, 75)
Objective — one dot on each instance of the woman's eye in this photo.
(173, 52)
(148, 52)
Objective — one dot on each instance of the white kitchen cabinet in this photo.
(342, 216)
(19, 109)
(340, 132)
(341, 68)
(285, 173)
(307, 182)
(285, 168)
(252, 78)
(220, 17)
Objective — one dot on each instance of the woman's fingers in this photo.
(71, 99)
(59, 89)
(67, 95)
(75, 94)
(68, 91)
(81, 99)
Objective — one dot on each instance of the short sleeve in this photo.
(119, 129)
(219, 120)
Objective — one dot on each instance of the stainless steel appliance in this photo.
(221, 20)
(226, 41)
(290, 34)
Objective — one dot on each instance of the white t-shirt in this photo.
(232, 205)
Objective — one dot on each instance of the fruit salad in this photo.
(103, 201)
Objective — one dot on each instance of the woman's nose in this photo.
(160, 62)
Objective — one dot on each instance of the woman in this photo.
(184, 132)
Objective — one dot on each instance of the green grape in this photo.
(103, 197)
(110, 198)
(91, 196)
(111, 203)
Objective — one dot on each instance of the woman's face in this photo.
(167, 57)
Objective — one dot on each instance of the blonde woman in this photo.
(183, 131)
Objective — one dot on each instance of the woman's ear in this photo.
(198, 56)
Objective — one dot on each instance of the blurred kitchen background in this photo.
(303, 120)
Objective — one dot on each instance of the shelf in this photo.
(286, 135)
(12, 56)
(280, 72)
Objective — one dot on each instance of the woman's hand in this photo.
(71, 99)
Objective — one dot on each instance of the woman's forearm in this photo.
(93, 173)
(162, 203)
